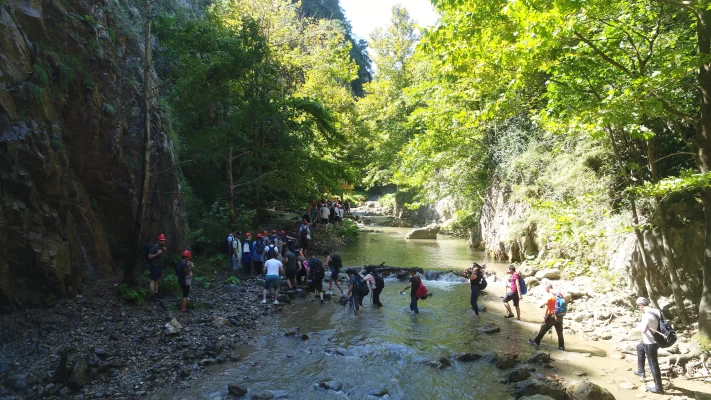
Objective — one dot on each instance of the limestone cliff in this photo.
(71, 147)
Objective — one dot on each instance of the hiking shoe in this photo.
(654, 389)
(276, 302)
(532, 342)
(329, 292)
(640, 374)
(561, 348)
(264, 301)
(509, 316)
(323, 302)
(343, 294)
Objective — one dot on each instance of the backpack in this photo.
(180, 269)
(421, 292)
(259, 247)
(272, 251)
(147, 251)
(560, 305)
(483, 283)
(665, 336)
(361, 287)
(522, 285)
(317, 266)
(379, 281)
(336, 261)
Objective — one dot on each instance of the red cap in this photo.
(161, 237)
(259, 236)
(273, 230)
(187, 253)
(265, 232)
(248, 234)
(282, 232)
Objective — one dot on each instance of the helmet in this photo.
(259, 236)
(248, 234)
(187, 253)
(273, 230)
(161, 237)
(282, 232)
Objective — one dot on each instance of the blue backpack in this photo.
(522, 285)
(560, 305)
(259, 247)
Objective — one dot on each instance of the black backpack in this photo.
(180, 269)
(361, 287)
(259, 247)
(336, 261)
(379, 281)
(317, 267)
(665, 335)
(272, 251)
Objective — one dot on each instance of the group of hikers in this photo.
(326, 212)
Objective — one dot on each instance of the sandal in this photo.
(509, 316)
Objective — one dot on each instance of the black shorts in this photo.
(186, 290)
(512, 296)
(324, 221)
(316, 286)
(290, 273)
(156, 272)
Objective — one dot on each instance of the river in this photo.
(386, 348)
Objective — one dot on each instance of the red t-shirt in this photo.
(551, 304)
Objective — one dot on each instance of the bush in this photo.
(202, 281)
(348, 228)
(134, 294)
(233, 280)
(170, 284)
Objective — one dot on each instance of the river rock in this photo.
(283, 298)
(536, 397)
(490, 328)
(378, 392)
(331, 385)
(589, 391)
(519, 374)
(78, 377)
(17, 382)
(263, 396)
(237, 390)
(551, 274)
(173, 327)
(467, 357)
(428, 232)
(506, 360)
(61, 371)
(219, 322)
(627, 385)
(533, 386)
(400, 223)
(539, 357)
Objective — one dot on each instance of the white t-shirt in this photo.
(340, 212)
(245, 249)
(324, 212)
(273, 266)
(649, 321)
(236, 245)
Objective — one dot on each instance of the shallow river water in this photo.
(386, 348)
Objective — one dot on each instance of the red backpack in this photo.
(421, 292)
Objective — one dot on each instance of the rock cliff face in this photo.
(71, 148)
(503, 221)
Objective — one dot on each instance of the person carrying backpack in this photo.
(290, 268)
(236, 255)
(376, 285)
(315, 276)
(304, 236)
(184, 270)
(355, 291)
(228, 246)
(553, 317)
(514, 293)
(648, 348)
(258, 248)
(155, 262)
(247, 254)
(334, 264)
(476, 280)
(415, 283)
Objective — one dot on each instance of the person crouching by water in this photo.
(475, 280)
(184, 271)
(415, 283)
(353, 297)
(553, 317)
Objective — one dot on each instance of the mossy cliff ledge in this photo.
(71, 147)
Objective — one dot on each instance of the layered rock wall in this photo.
(71, 143)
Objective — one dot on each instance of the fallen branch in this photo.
(253, 180)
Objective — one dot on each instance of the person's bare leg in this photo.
(264, 297)
(339, 286)
(156, 286)
(518, 313)
(184, 305)
(508, 309)
(276, 294)
(152, 285)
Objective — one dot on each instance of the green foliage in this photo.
(212, 225)
(233, 280)
(202, 281)
(108, 108)
(348, 228)
(135, 294)
(34, 93)
(689, 180)
(704, 341)
(169, 283)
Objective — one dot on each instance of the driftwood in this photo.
(382, 268)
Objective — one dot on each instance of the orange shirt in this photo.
(551, 304)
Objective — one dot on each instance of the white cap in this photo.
(641, 301)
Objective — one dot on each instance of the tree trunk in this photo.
(703, 141)
(645, 260)
(666, 247)
(129, 272)
(230, 187)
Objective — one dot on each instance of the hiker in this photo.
(514, 293)
(291, 268)
(314, 214)
(324, 213)
(553, 317)
(334, 265)
(155, 262)
(301, 267)
(229, 241)
(272, 248)
(354, 298)
(347, 207)
(647, 349)
(236, 251)
(273, 269)
(415, 283)
(376, 284)
(475, 280)
(315, 276)
(258, 247)
(184, 270)
(247, 254)
(304, 236)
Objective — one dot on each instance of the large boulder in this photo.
(428, 232)
(589, 391)
(532, 386)
(551, 274)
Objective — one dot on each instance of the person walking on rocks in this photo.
(414, 284)
(334, 264)
(513, 294)
(475, 280)
(155, 262)
(236, 251)
(553, 317)
(291, 268)
(370, 277)
(315, 276)
(247, 254)
(273, 269)
(647, 349)
(258, 248)
(353, 297)
(184, 271)
(304, 236)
